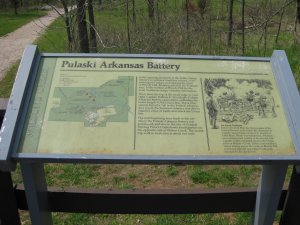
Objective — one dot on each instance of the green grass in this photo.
(146, 177)
(10, 22)
(221, 176)
(55, 38)
(7, 82)
(172, 171)
(191, 219)
(293, 52)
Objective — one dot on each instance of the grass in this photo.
(55, 38)
(10, 22)
(147, 39)
(148, 177)
(107, 219)
(191, 219)
(172, 171)
(221, 176)
(7, 82)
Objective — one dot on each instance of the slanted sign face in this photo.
(144, 106)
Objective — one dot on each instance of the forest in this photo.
(198, 27)
(225, 27)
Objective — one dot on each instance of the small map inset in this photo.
(95, 106)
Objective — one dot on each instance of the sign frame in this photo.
(23, 87)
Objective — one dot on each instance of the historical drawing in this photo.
(238, 100)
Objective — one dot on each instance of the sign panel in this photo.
(155, 106)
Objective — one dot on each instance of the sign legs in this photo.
(291, 212)
(9, 214)
(268, 193)
(36, 193)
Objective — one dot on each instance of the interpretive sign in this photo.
(152, 107)
(97, 108)
(156, 107)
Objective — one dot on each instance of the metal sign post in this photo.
(36, 192)
(268, 193)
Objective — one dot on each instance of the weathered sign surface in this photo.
(152, 106)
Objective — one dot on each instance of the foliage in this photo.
(211, 84)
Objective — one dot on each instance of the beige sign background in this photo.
(137, 106)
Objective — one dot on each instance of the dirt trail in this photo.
(12, 45)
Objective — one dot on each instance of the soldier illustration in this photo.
(271, 102)
(262, 105)
(250, 98)
(212, 110)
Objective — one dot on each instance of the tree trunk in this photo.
(230, 23)
(99, 2)
(210, 30)
(15, 4)
(165, 8)
(128, 28)
(187, 6)
(279, 26)
(297, 17)
(133, 12)
(243, 27)
(265, 38)
(202, 4)
(68, 24)
(151, 9)
(298, 11)
(93, 40)
(158, 17)
(3, 4)
(82, 28)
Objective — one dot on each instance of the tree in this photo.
(243, 27)
(82, 28)
(187, 8)
(202, 4)
(133, 12)
(128, 28)
(297, 14)
(3, 4)
(93, 40)
(15, 4)
(150, 9)
(67, 17)
(279, 25)
(230, 23)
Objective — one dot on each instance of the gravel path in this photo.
(12, 45)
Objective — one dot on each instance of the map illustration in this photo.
(95, 106)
